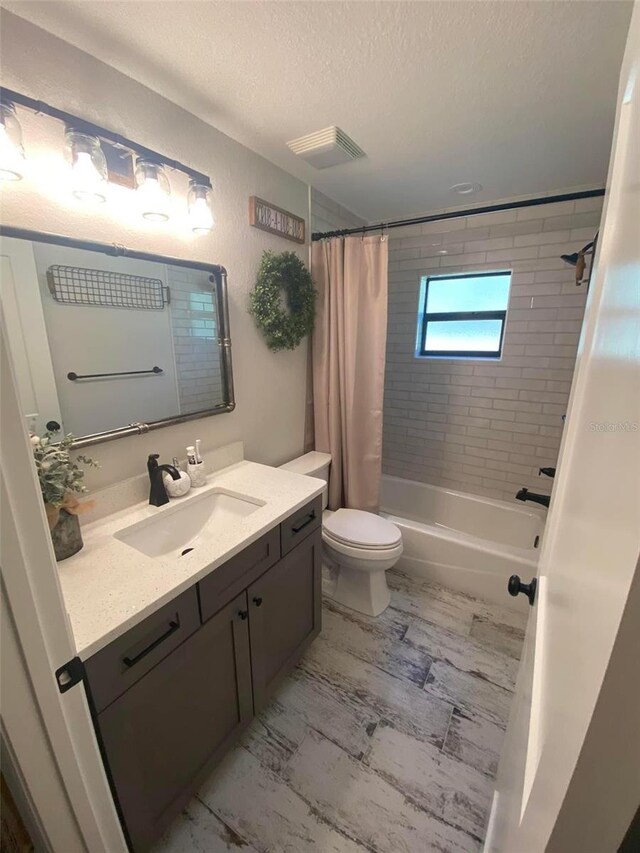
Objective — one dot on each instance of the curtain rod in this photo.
(459, 214)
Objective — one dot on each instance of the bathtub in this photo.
(465, 542)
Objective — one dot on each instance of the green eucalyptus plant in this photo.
(284, 323)
(58, 472)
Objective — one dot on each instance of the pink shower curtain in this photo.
(349, 341)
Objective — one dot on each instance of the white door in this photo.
(592, 539)
(49, 734)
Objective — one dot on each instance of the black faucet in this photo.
(158, 494)
(526, 495)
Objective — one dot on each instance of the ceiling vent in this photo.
(325, 148)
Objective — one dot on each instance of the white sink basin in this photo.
(178, 530)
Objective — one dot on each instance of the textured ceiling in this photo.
(516, 96)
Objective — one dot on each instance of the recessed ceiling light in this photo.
(465, 188)
(443, 252)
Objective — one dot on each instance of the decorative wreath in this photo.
(283, 327)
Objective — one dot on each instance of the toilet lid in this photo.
(355, 527)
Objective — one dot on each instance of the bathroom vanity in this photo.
(184, 616)
(214, 630)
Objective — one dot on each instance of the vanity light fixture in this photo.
(11, 148)
(152, 190)
(98, 156)
(200, 207)
(88, 166)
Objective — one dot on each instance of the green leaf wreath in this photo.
(283, 327)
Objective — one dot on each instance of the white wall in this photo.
(487, 426)
(270, 387)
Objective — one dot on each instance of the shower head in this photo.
(577, 260)
(573, 258)
(570, 259)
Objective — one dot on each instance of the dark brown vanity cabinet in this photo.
(284, 616)
(176, 721)
(173, 694)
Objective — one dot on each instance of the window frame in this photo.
(425, 318)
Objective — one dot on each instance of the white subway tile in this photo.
(543, 211)
(486, 245)
(582, 205)
(470, 258)
(541, 239)
(502, 217)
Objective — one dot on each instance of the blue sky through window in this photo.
(464, 315)
(481, 293)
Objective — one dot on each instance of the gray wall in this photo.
(270, 387)
(486, 426)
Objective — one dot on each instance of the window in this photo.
(463, 315)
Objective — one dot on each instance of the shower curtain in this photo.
(348, 360)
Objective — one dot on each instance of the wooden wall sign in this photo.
(275, 220)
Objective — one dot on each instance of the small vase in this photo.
(66, 536)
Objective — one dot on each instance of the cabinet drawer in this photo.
(301, 524)
(229, 579)
(119, 665)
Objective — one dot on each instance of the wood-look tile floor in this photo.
(385, 738)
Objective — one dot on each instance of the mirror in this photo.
(108, 342)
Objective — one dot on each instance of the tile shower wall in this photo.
(327, 215)
(195, 332)
(486, 426)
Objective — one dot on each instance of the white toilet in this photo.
(358, 547)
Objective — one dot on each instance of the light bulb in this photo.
(11, 150)
(200, 212)
(152, 191)
(88, 166)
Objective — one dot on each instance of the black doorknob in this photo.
(257, 601)
(243, 614)
(515, 586)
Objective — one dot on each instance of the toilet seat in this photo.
(362, 531)
(363, 555)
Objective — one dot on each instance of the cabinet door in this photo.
(163, 734)
(284, 615)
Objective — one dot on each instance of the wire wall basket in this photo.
(81, 286)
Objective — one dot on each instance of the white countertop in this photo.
(109, 586)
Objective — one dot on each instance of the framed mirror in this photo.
(109, 342)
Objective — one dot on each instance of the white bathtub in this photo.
(465, 542)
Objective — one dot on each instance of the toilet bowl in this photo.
(357, 547)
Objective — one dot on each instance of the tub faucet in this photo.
(158, 494)
(526, 495)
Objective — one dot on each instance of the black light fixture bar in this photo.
(460, 214)
(101, 132)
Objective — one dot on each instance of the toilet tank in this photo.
(314, 464)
